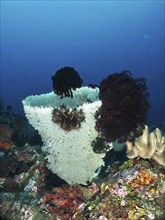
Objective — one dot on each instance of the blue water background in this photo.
(95, 37)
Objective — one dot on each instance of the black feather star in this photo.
(65, 80)
(124, 108)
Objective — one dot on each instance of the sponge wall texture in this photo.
(69, 153)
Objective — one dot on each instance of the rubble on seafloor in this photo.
(133, 190)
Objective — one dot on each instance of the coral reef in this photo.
(16, 165)
(78, 174)
(23, 175)
(131, 193)
(63, 201)
(134, 190)
(149, 145)
(124, 108)
(68, 119)
(22, 131)
(65, 80)
(6, 133)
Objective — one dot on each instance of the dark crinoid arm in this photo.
(124, 108)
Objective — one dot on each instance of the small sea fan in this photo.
(123, 113)
(65, 80)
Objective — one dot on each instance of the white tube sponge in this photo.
(149, 145)
(69, 153)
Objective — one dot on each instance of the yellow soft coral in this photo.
(149, 145)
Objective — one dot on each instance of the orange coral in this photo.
(143, 178)
(5, 137)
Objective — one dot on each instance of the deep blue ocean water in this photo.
(97, 38)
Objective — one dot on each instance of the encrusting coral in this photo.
(124, 108)
(65, 80)
(149, 145)
(135, 191)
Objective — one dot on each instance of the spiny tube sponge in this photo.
(68, 119)
(65, 80)
(149, 145)
(124, 108)
(69, 151)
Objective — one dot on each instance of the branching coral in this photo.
(67, 119)
(124, 107)
(65, 80)
(149, 145)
